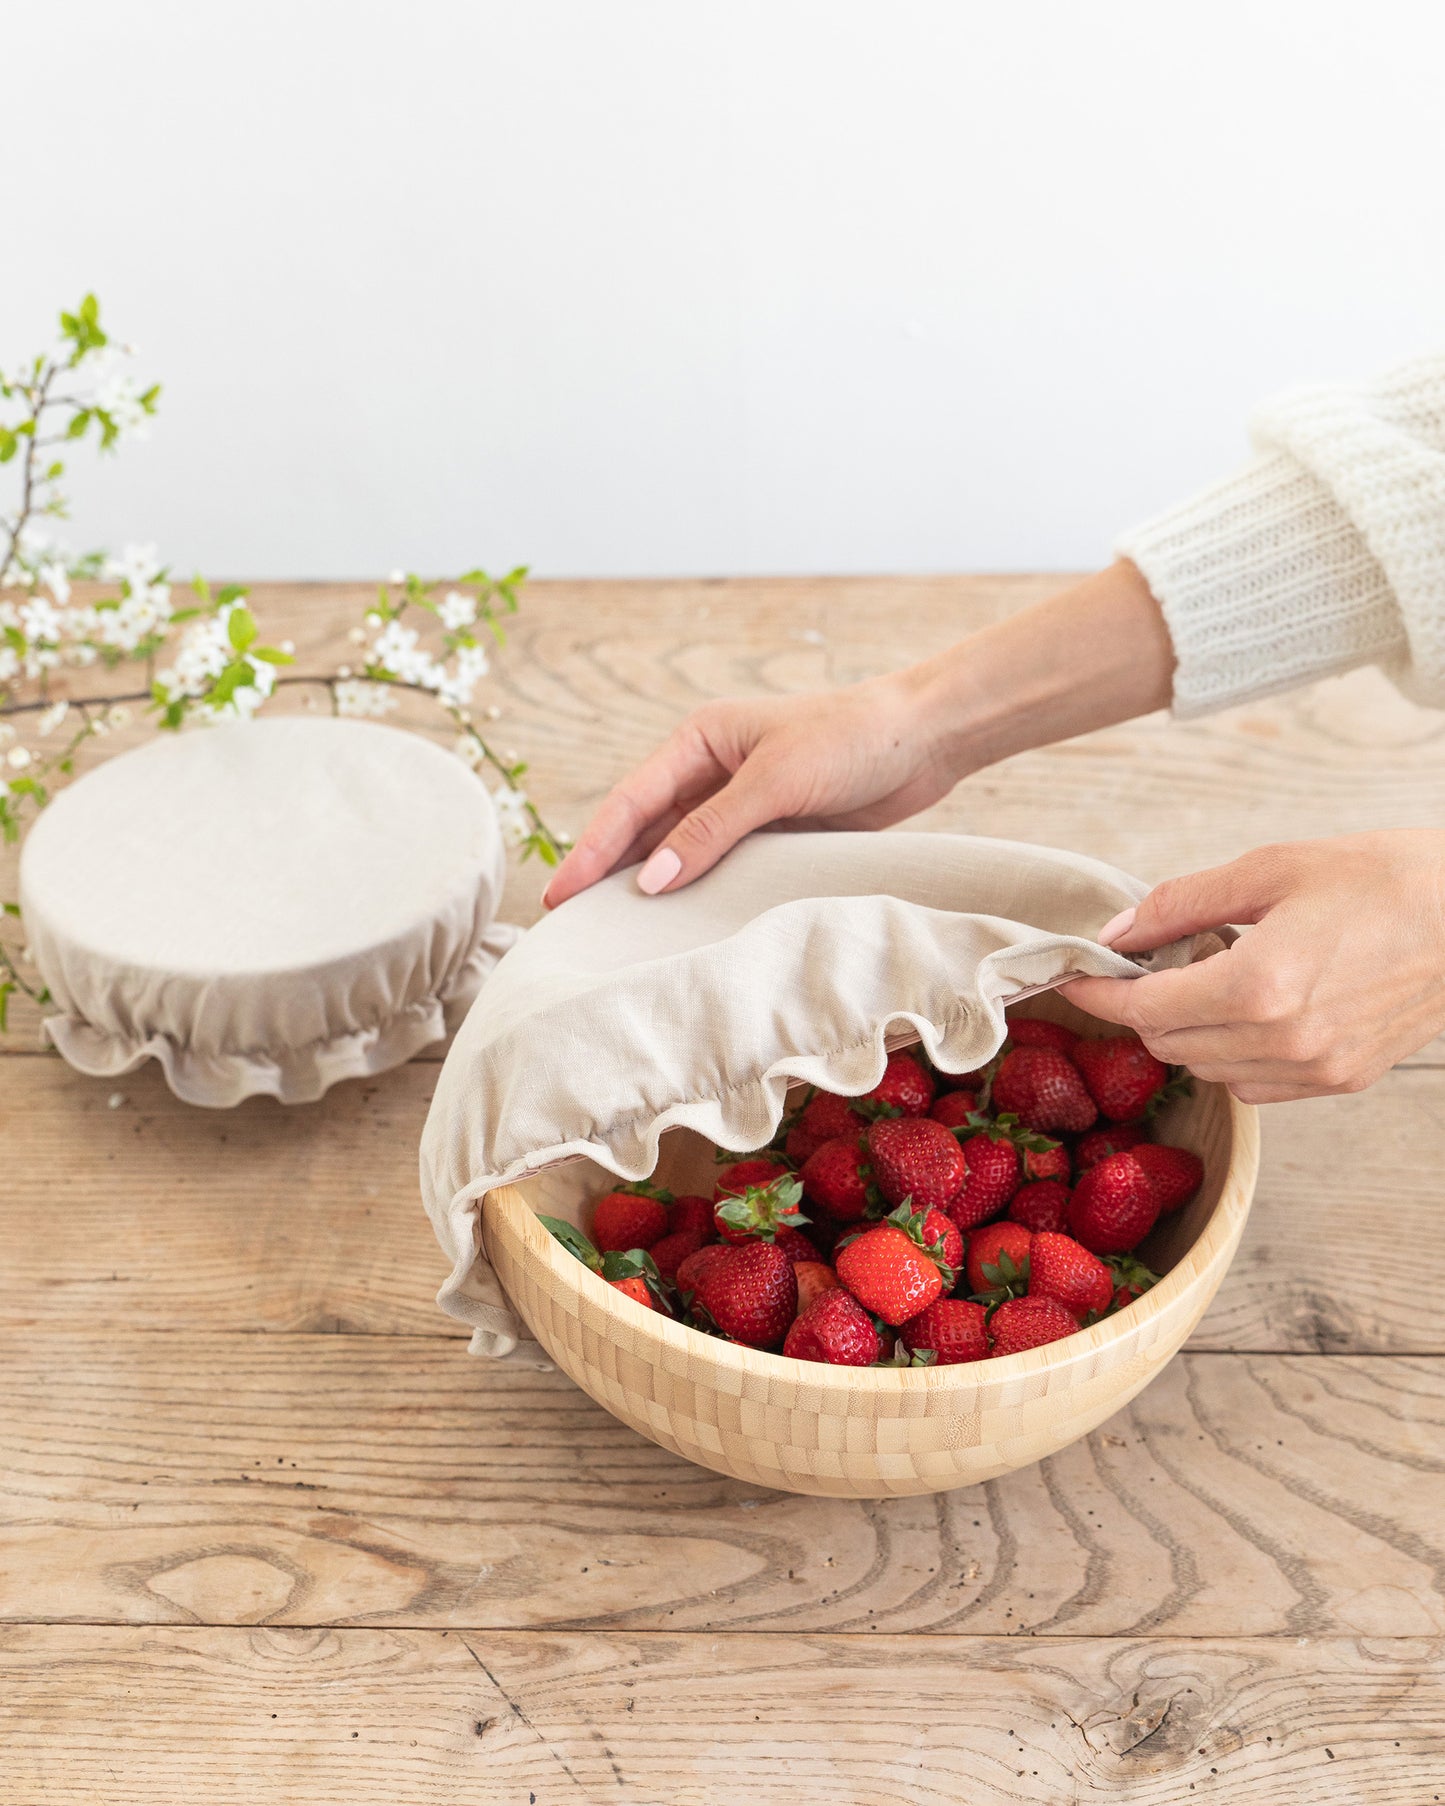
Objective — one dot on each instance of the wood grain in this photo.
(309, 1218)
(108, 1717)
(332, 1479)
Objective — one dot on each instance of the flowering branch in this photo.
(217, 668)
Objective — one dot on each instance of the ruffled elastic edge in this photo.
(748, 1116)
(298, 1075)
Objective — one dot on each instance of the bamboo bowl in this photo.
(805, 1427)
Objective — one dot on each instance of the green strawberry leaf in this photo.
(573, 1240)
(876, 1109)
(644, 1188)
(1006, 1279)
(908, 1357)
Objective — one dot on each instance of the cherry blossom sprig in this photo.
(205, 661)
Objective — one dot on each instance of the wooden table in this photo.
(271, 1537)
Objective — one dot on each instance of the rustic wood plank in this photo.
(116, 1717)
(309, 1219)
(331, 1479)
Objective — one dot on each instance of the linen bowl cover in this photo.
(800, 956)
(266, 906)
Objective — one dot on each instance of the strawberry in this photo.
(1131, 1279)
(1044, 1089)
(905, 1089)
(691, 1269)
(1033, 1031)
(990, 1178)
(916, 1158)
(635, 1288)
(814, 1277)
(1113, 1206)
(1114, 1138)
(793, 1243)
(1122, 1076)
(1060, 1268)
(761, 1211)
(750, 1293)
(1041, 1206)
(630, 1217)
(834, 1328)
(674, 1249)
(632, 1270)
(689, 1213)
(998, 1260)
(942, 1234)
(954, 1108)
(1050, 1161)
(950, 1329)
(1021, 1323)
(1175, 1173)
(823, 1118)
(735, 1178)
(889, 1271)
(836, 1179)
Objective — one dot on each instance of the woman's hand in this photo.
(860, 757)
(1341, 976)
(869, 755)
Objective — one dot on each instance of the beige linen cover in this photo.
(267, 906)
(801, 956)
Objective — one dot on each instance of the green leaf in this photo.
(241, 628)
(202, 589)
(78, 423)
(230, 592)
(572, 1239)
(9, 445)
(272, 655)
(6, 992)
(10, 909)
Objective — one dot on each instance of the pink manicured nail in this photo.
(659, 871)
(1116, 929)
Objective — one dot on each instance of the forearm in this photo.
(1095, 654)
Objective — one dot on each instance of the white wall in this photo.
(635, 286)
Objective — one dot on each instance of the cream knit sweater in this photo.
(1326, 551)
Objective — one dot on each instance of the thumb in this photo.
(1241, 891)
(713, 828)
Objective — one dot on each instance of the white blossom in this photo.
(397, 577)
(457, 610)
(469, 667)
(119, 394)
(56, 579)
(468, 750)
(17, 758)
(512, 815)
(355, 697)
(52, 717)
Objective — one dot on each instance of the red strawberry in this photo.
(940, 1228)
(991, 1177)
(689, 1213)
(734, 1179)
(1042, 1206)
(904, 1087)
(635, 1288)
(631, 1270)
(889, 1272)
(629, 1219)
(1122, 1075)
(794, 1244)
(951, 1329)
(1060, 1268)
(1114, 1138)
(1131, 1279)
(916, 1158)
(1021, 1323)
(1113, 1206)
(823, 1118)
(1175, 1173)
(814, 1277)
(1044, 1089)
(836, 1179)
(674, 1249)
(834, 1328)
(761, 1211)
(964, 1081)
(1033, 1031)
(1048, 1162)
(691, 1269)
(998, 1259)
(954, 1108)
(750, 1293)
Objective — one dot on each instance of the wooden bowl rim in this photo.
(1217, 1238)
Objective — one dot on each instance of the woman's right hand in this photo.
(861, 757)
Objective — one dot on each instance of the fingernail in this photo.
(1116, 929)
(547, 897)
(659, 871)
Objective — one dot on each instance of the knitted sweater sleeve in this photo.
(1326, 551)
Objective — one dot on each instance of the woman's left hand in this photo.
(1341, 975)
